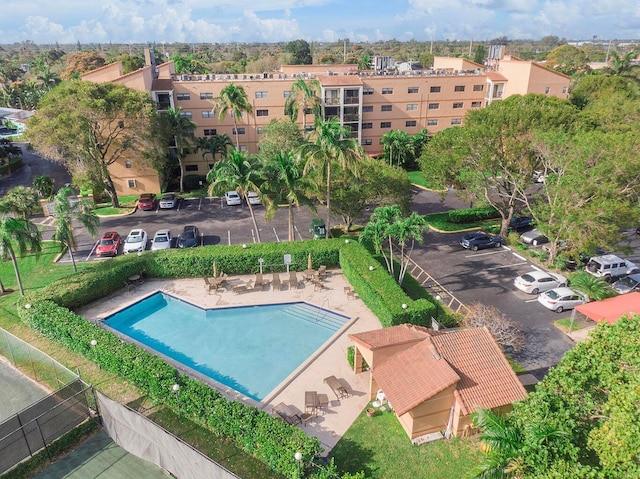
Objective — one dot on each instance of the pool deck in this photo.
(328, 426)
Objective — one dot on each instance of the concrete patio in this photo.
(329, 360)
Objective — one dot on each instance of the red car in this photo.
(109, 244)
(147, 201)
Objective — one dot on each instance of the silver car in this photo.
(136, 241)
(627, 284)
(535, 282)
(559, 299)
(168, 201)
(161, 240)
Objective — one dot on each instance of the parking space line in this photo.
(536, 267)
(531, 300)
(522, 258)
(275, 233)
(505, 266)
(475, 255)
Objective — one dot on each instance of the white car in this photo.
(168, 201)
(232, 198)
(253, 198)
(136, 241)
(535, 282)
(559, 299)
(161, 240)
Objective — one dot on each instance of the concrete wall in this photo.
(430, 416)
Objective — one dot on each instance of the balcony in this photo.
(350, 118)
(332, 101)
(351, 100)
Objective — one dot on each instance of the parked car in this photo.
(559, 299)
(478, 240)
(521, 223)
(535, 282)
(147, 201)
(627, 284)
(534, 237)
(253, 198)
(609, 267)
(109, 244)
(232, 198)
(318, 229)
(168, 201)
(136, 241)
(161, 240)
(189, 238)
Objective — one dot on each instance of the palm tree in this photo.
(304, 96)
(285, 180)
(213, 145)
(332, 143)
(43, 185)
(65, 212)
(22, 233)
(378, 230)
(407, 229)
(397, 145)
(595, 288)
(181, 128)
(237, 172)
(21, 200)
(233, 100)
(621, 65)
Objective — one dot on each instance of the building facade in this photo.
(369, 103)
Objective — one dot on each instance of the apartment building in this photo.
(369, 103)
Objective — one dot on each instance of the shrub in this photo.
(471, 215)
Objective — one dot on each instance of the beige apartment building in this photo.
(369, 103)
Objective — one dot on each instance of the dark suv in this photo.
(189, 238)
(478, 240)
(521, 224)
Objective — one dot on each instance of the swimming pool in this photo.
(251, 349)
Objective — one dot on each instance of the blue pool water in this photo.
(251, 349)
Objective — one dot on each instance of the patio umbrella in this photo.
(215, 270)
(309, 262)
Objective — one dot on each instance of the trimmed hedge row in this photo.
(473, 214)
(256, 432)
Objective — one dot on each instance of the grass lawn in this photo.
(566, 325)
(440, 221)
(379, 446)
(417, 178)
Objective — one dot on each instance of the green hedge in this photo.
(256, 432)
(473, 214)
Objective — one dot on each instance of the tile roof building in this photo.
(435, 380)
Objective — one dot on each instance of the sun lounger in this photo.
(293, 280)
(241, 288)
(336, 386)
(311, 402)
(277, 285)
(260, 282)
(287, 414)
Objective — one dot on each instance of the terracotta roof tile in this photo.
(411, 377)
(495, 76)
(487, 380)
(403, 333)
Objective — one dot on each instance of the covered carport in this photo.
(611, 309)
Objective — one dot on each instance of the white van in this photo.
(609, 266)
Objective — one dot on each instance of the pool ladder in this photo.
(320, 313)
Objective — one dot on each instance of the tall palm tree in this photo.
(397, 144)
(65, 212)
(331, 143)
(232, 100)
(237, 172)
(304, 96)
(407, 229)
(181, 129)
(286, 182)
(22, 233)
(213, 145)
(378, 231)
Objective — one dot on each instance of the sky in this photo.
(265, 21)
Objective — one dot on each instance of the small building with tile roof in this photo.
(435, 380)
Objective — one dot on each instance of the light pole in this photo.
(438, 299)
(176, 388)
(298, 458)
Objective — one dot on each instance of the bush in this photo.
(194, 182)
(471, 215)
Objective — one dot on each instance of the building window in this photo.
(547, 90)
(286, 93)
(367, 91)
(262, 112)
(183, 96)
(458, 104)
(127, 164)
(456, 121)
(385, 124)
(188, 114)
(367, 109)
(210, 132)
(476, 104)
(386, 108)
(131, 183)
(412, 106)
(261, 94)
(434, 89)
(243, 148)
(387, 91)
(478, 87)
(432, 122)
(410, 123)
(366, 142)
(191, 168)
(413, 89)
(458, 88)
(206, 96)
(434, 106)
(367, 126)
(240, 131)
(208, 114)
(564, 89)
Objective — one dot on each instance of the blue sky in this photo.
(224, 21)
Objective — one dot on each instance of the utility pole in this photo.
(344, 51)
